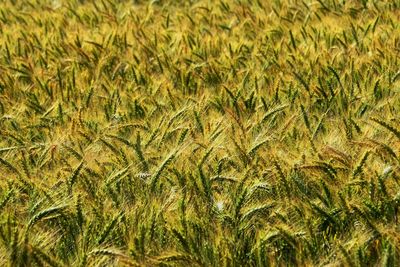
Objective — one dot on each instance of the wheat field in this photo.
(199, 133)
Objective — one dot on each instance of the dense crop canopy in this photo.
(199, 133)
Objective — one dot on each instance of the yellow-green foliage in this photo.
(199, 133)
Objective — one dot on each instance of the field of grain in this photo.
(199, 133)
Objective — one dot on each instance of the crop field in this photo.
(199, 133)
